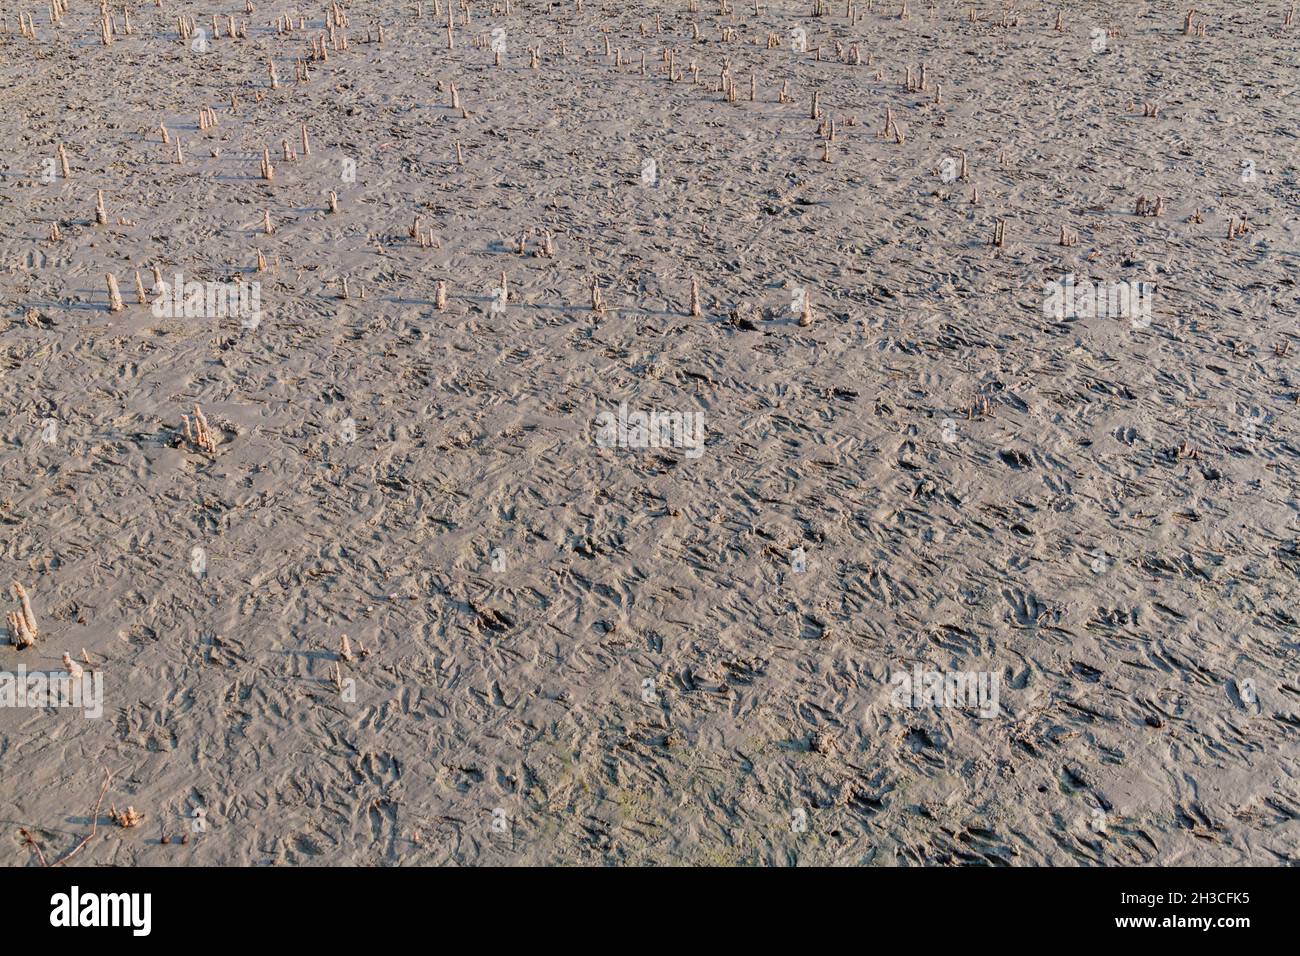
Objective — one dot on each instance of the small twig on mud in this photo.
(94, 823)
(28, 840)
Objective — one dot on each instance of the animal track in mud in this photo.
(1025, 607)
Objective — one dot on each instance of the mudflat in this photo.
(675, 433)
